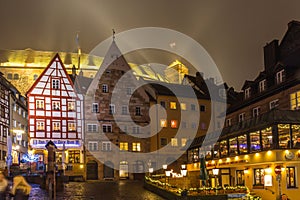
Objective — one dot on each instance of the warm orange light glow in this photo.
(236, 158)
(220, 161)
(173, 123)
(269, 152)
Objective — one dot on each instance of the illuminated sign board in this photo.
(40, 143)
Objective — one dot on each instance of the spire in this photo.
(113, 30)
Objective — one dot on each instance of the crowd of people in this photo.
(19, 190)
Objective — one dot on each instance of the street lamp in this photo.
(216, 173)
(183, 173)
(165, 168)
(168, 174)
(150, 171)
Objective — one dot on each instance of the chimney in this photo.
(271, 52)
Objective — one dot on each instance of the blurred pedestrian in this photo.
(20, 189)
(3, 187)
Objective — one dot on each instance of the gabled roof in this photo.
(49, 70)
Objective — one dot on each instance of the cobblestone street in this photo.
(122, 190)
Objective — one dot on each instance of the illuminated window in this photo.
(71, 126)
(163, 123)
(92, 128)
(291, 177)
(174, 123)
(112, 109)
(243, 147)
(106, 146)
(173, 105)
(223, 148)
(124, 146)
(136, 146)
(255, 141)
(55, 105)
(295, 100)
(71, 105)
(233, 146)
(259, 175)
(40, 125)
(138, 111)
(95, 107)
(183, 106)
(183, 142)
(284, 136)
(39, 104)
(74, 156)
(247, 93)
(280, 76)
(267, 138)
(295, 136)
(262, 85)
(56, 126)
(106, 128)
(174, 142)
(55, 84)
(93, 146)
(105, 88)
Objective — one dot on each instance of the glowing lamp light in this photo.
(268, 170)
(246, 171)
(168, 173)
(17, 147)
(150, 170)
(213, 162)
(165, 167)
(81, 166)
(215, 171)
(183, 166)
(183, 172)
(220, 161)
(236, 158)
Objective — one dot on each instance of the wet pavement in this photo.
(122, 190)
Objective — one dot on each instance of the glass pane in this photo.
(233, 147)
(223, 148)
(284, 136)
(243, 143)
(296, 136)
(255, 141)
(267, 138)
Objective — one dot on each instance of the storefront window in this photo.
(284, 136)
(74, 156)
(255, 141)
(291, 177)
(223, 148)
(243, 147)
(240, 177)
(259, 175)
(267, 138)
(208, 154)
(233, 146)
(296, 136)
(216, 150)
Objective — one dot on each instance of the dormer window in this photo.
(280, 76)
(241, 117)
(247, 93)
(262, 85)
(228, 122)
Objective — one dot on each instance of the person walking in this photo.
(20, 189)
(3, 186)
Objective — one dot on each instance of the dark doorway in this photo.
(92, 170)
(108, 170)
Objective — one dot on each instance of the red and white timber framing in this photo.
(55, 110)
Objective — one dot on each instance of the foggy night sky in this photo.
(232, 31)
